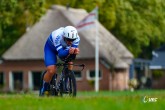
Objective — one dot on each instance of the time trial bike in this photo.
(63, 83)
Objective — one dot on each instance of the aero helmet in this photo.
(70, 32)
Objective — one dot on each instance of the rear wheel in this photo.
(53, 85)
(41, 82)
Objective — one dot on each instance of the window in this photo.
(36, 76)
(18, 80)
(1, 79)
(78, 75)
(91, 75)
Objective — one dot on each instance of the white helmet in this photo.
(70, 32)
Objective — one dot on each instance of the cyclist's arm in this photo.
(75, 45)
(64, 54)
(61, 51)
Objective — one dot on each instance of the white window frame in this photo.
(31, 78)
(88, 75)
(11, 79)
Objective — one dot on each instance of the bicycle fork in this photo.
(64, 81)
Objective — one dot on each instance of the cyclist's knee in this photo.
(70, 62)
(51, 70)
(70, 66)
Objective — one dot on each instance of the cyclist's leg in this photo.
(50, 59)
(47, 78)
(70, 66)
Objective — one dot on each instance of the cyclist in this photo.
(62, 43)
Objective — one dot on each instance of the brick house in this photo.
(23, 64)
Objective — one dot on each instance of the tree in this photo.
(138, 24)
(7, 9)
(15, 17)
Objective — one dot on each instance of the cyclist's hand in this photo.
(71, 50)
(76, 51)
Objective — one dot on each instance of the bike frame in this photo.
(60, 85)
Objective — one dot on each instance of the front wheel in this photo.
(69, 85)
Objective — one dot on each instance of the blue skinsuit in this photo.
(56, 46)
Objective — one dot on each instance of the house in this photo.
(158, 60)
(23, 64)
(157, 67)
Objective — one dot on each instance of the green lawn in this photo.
(103, 100)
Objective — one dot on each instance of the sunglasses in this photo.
(71, 40)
